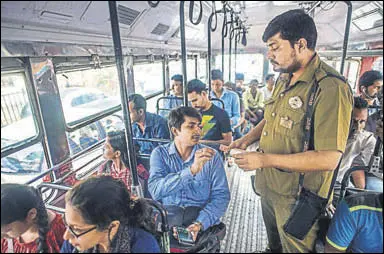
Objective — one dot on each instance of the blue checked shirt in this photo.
(172, 183)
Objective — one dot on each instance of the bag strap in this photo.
(308, 138)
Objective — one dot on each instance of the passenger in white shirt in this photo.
(360, 144)
(267, 90)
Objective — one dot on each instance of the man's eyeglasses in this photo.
(73, 232)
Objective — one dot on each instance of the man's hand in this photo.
(331, 209)
(194, 229)
(249, 160)
(240, 144)
(202, 156)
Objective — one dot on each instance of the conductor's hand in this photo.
(240, 144)
(249, 160)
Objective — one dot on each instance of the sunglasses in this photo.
(73, 232)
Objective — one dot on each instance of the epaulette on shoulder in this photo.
(321, 74)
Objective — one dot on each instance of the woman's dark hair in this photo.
(119, 143)
(293, 25)
(177, 116)
(16, 201)
(102, 199)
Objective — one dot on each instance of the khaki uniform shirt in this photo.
(283, 132)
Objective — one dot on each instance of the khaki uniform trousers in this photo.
(276, 210)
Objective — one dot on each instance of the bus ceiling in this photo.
(37, 28)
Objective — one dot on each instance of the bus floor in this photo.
(245, 226)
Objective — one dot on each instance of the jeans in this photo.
(374, 183)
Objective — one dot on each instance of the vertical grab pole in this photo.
(136, 188)
(230, 55)
(223, 43)
(183, 53)
(195, 66)
(209, 55)
(346, 35)
(236, 39)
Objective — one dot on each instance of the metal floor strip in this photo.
(245, 226)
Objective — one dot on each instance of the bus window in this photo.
(175, 67)
(87, 136)
(148, 78)
(249, 64)
(351, 70)
(87, 92)
(17, 122)
(23, 165)
(378, 65)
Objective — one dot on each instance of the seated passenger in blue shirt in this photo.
(357, 225)
(185, 173)
(215, 121)
(101, 217)
(176, 99)
(231, 99)
(145, 124)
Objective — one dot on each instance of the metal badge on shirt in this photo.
(286, 122)
(295, 102)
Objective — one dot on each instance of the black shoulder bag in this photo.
(309, 206)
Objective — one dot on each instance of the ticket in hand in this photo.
(236, 151)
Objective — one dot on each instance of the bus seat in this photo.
(160, 222)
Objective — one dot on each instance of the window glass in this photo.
(202, 69)
(86, 136)
(17, 122)
(378, 65)
(176, 67)
(88, 92)
(251, 65)
(151, 104)
(351, 69)
(148, 78)
(23, 165)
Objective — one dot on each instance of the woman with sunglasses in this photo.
(101, 218)
(26, 225)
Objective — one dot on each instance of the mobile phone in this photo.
(184, 236)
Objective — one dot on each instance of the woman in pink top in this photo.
(116, 154)
(26, 225)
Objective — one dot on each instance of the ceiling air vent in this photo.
(126, 15)
(160, 29)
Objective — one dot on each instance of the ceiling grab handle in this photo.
(153, 4)
(191, 7)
